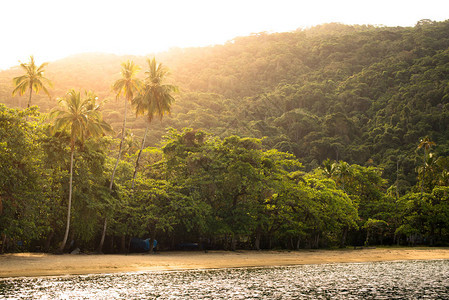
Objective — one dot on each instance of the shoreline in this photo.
(42, 264)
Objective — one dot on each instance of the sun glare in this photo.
(62, 28)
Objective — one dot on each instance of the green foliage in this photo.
(255, 192)
(425, 216)
(320, 137)
(22, 179)
(228, 193)
(352, 93)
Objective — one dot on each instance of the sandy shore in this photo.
(33, 264)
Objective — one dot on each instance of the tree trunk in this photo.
(29, 99)
(128, 247)
(2, 250)
(172, 242)
(432, 235)
(48, 241)
(103, 235)
(152, 238)
(138, 156)
(257, 241)
(367, 237)
(69, 206)
(123, 244)
(111, 183)
(233, 242)
(111, 245)
(120, 148)
(316, 241)
(343, 237)
(72, 241)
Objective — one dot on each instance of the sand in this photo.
(39, 264)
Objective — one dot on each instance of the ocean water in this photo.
(378, 280)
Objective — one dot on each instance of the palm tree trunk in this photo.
(69, 206)
(103, 235)
(120, 148)
(138, 156)
(29, 99)
(105, 224)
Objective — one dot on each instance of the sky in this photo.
(54, 29)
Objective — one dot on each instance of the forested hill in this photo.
(361, 94)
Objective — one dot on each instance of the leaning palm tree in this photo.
(155, 99)
(82, 119)
(128, 85)
(32, 80)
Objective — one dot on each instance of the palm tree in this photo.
(155, 99)
(329, 167)
(82, 119)
(128, 85)
(426, 144)
(32, 80)
(343, 172)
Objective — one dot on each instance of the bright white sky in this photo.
(53, 29)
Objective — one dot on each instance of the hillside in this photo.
(361, 94)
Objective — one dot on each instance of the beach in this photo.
(40, 264)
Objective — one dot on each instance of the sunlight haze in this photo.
(51, 30)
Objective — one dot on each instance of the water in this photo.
(380, 280)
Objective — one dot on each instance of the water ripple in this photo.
(380, 280)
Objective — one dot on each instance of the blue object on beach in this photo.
(139, 245)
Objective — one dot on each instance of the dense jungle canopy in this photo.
(324, 136)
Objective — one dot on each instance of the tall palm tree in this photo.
(82, 119)
(426, 144)
(155, 99)
(32, 80)
(127, 86)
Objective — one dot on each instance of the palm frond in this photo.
(155, 99)
(128, 85)
(80, 116)
(21, 87)
(33, 79)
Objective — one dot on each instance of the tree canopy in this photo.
(321, 137)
